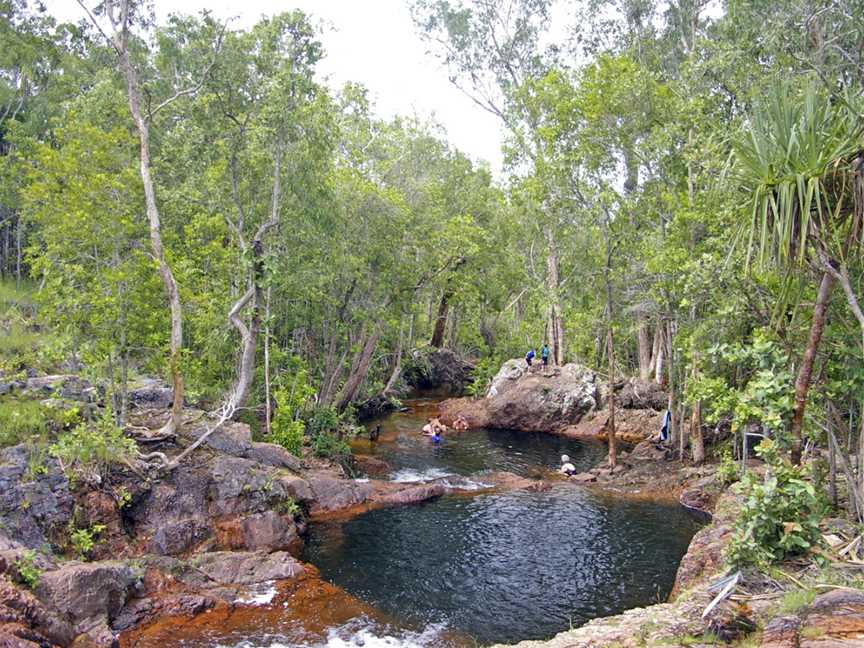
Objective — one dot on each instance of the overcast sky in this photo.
(372, 42)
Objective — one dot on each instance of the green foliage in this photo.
(797, 600)
(288, 506)
(27, 571)
(780, 515)
(292, 397)
(84, 540)
(289, 434)
(728, 469)
(484, 371)
(763, 393)
(89, 449)
(328, 445)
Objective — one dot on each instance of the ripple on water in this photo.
(504, 567)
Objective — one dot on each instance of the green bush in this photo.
(329, 445)
(83, 540)
(27, 571)
(91, 448)
(728, 470)
(321, 420)
(289, 434)
(780, 515)
(484, 372)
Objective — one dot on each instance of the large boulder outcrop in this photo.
(89, 596)
(438, 369)
(530, 400)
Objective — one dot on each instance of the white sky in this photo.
(372, 42)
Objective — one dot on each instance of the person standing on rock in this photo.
(544, 356)
(529, 357)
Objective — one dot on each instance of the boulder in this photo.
(89, 596)
(781, 632)
(274, 455)
(24, 618)
(438, 369)
(583, 477)
(248, 568)
(372, 466)
(151, 393)
(332, 493)
(262, 531)
(31, 510)
(233, 439)
(533, 401)
(375, 407)
(178, 536)
(63, 385)
(409, 494)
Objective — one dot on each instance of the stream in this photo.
(470, 569)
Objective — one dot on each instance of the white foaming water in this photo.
(410, 475)
(259, 598)
(360, 633)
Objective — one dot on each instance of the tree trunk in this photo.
(254, 296)
(644, 342)
(696, 438)
(657, 360)
(19, 247)
(153, 219)
(672, 406)
(610, 425)
(802, 382)
(441, 321)
(397, 366)
(359, 369)
(268, 414)
(556, 326)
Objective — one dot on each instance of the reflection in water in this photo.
(505, 567)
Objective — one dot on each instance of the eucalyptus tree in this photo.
(493, 50)
(119, 18)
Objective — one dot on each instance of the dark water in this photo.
(501, 567)
(506, 567)
(413, 457)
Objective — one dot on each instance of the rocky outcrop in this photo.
(439, 369)
(835, 618)
(520, 399)
(88, 596)
(33, 508)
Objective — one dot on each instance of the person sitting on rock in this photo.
(567, 468)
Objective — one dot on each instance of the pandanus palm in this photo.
(798, 158)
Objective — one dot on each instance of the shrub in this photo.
(780, 515)
(83, 540)
(728, 470)
(27, 571)
(89, 449)
(484, 372)
(289, 434)
(329, 445)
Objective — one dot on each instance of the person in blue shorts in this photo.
(530, 356)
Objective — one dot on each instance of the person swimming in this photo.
(567, 468)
